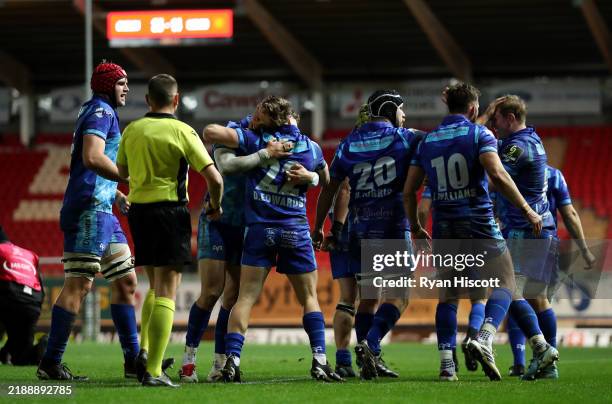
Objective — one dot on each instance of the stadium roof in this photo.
(42, 41)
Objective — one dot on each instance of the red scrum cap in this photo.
(104, 77)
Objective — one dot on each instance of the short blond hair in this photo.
(513, 104)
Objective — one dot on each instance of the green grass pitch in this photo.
(281, 374)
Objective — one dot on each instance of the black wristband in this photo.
(211, 210)
(336, 229)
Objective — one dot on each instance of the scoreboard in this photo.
(169, 27)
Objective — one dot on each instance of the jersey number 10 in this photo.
(456, 170)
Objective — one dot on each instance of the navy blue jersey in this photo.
(558, 193)
(375, 159)
(270, 199)
(523, 156)
(449, 155)
(86, 190)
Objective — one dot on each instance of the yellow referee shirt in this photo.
(157, 151)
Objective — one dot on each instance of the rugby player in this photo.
(277, 231)
(559, 200)
(219, 253)
(93, 239)
(374, 158)
(477, 295)
(533, 253)
(455, 157)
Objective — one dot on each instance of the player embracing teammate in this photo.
(457, 157)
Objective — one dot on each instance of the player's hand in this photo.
(279, 149)
(329, 243)
(485, 119)
(298, 175)
(535, 220)
(589, 258)
(317, 239)
(422, 239)
(292, 120)
(122, 203)
(214, 214)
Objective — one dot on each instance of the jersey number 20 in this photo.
(384, 173)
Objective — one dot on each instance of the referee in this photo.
(155, 152)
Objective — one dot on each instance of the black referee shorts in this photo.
(161, 233)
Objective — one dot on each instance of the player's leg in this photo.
(548, 324)
(517, 341)
(63, 315)
(251, 284)
(86, 236)
(369, 351)
(296, 259)
(385, 318)
(228, 300)
(446, 326)
(343, 325)
(498, 267)
(212, 279)
(546, 315)
(117, 266)
(305, 287)
(533, 263)
(344, 316)
(446, 332)
(475, 321)
(258, 257)
(364, 317)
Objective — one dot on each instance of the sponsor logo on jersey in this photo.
(512, 153)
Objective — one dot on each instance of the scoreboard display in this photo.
(169, 27)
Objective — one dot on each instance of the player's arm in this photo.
(341, 203)
(505, 185)
(214, 183)
(340, 212)
(298, 174)
(485, 118)
(423, 209)
(324, 203)
(217, 134)
(324, 176)
(95, 160)
(228, 163)
(414, 179)
(574, 227)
